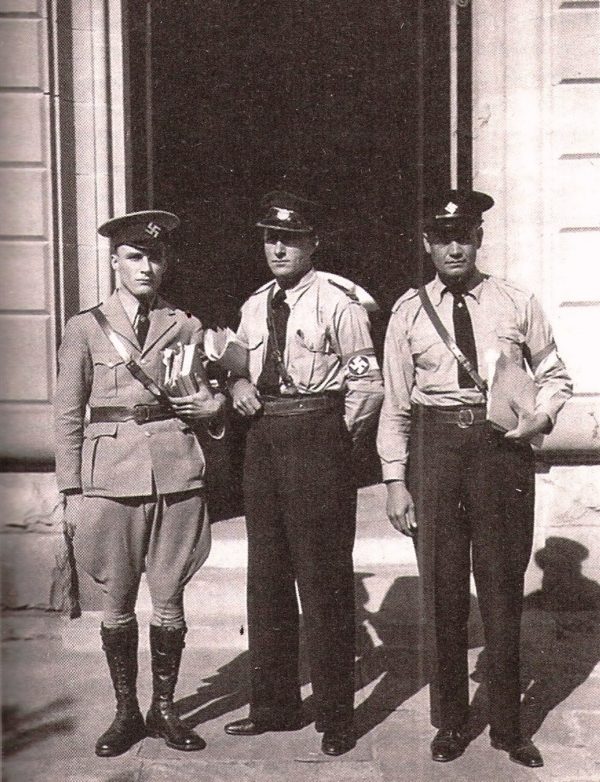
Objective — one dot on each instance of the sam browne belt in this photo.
(141, 414)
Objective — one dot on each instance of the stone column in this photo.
(62, 150)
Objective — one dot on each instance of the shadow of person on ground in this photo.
(390, 649)
(229, 690)
(226, 690)
(21, 729)
(560, 644)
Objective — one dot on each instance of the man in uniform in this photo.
(314, 388)
(472, 485)
(132, 472)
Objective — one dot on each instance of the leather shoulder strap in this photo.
(449, 342)
(133, 367)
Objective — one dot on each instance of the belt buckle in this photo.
(141, 414)
(465, 419)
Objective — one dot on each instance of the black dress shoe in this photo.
(448, 745)
(250, 727)
(522, 751)
(337, 742)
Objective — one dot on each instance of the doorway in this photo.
(345, 100)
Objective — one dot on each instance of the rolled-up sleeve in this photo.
(394, 422)
(549, 372)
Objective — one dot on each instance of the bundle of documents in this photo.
(184, 371)
(512, 389)
(225, 349)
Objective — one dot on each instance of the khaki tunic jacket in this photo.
(121, 459)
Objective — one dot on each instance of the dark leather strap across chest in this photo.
(464, 363)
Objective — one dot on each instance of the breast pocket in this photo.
(315, 339)
(107, 372)
(256, 349)
(510, 341)
(425, 351)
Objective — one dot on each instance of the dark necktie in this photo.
(143, 323)
(464, 337)
(270, 378)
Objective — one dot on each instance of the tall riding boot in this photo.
(120, 645)
(166, 647)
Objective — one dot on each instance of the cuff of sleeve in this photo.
(550, 413)
(71, 491)
(393, 471)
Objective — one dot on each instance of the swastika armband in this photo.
(361, 364)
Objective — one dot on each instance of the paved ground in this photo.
(57, 701)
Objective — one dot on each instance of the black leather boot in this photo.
(166, 647)
(120, 645)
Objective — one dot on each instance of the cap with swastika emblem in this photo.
(450, 207)
(140, 229)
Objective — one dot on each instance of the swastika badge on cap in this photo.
(140, 229)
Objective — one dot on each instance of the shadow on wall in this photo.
(560, 644)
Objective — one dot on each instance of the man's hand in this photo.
(199, 406)
(73, 507)
(245, 397)
(528, 426)
(400, 508)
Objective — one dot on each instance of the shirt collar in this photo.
(130, 304)
(438, 288)
(293, 294)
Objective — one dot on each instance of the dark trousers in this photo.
(474, 498)
(300, 504)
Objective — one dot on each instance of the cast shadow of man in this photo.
(225, 691)
(390, 663)
(387, 652)
(560, 643)
(390, 649)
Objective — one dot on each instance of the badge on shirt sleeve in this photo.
(361, 364)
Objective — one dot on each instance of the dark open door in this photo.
(345, 99)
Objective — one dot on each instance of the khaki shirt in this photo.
(419, 369)
(328, 344)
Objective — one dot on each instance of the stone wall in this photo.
(34, 568)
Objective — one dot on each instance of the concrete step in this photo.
(215, 606)
(377, 542)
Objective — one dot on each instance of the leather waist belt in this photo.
(298, 405)
(141, 414)
(463, 416)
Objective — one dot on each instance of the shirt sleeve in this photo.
(73, 389)
(363, 385)
(242, 335)
(394, 423)
(549, 372)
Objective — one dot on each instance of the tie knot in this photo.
(144, 309)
